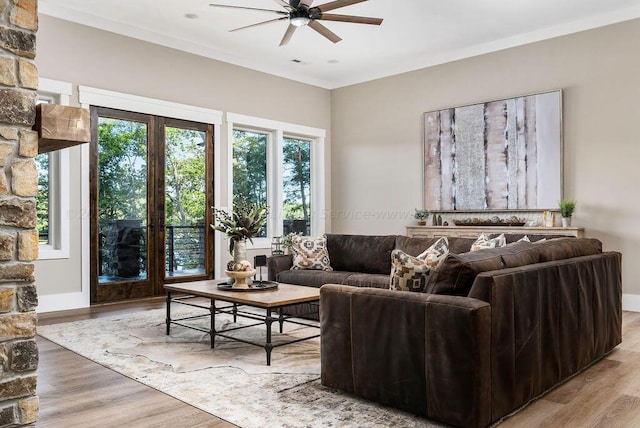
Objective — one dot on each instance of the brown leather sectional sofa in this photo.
(500, 327)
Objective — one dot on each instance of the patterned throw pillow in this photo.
(309, 253)
(410, 273)
(483, 242)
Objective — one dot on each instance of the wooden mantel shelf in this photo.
(475, 231)
(60, 127)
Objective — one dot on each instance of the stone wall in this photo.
(18, 237)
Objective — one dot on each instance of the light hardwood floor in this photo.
(76, 392)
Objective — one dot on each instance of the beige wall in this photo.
(86, 56)
(377, 133)
(375, 129)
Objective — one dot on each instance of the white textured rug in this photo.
(231, 381)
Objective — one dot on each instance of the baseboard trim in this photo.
(63, 302)
(631, 302)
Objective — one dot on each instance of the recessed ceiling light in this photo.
(297, 61)
(191, 16)
(333, 61)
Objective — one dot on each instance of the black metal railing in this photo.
(185, 250)
(296, 226)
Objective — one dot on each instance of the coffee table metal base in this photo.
(236, 311)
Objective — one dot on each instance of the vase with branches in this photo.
(245, 222)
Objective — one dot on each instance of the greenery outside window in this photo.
(250, 167)
(281, 164)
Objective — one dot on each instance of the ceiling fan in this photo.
(300, 13)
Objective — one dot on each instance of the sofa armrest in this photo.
(426, 354)
(276, 264)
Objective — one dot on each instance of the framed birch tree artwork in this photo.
(498, 155)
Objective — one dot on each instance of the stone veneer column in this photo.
(18, 237)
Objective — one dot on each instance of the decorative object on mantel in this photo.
(548, 219)
(493, 221)
(567, 207)
(421, 216)
(60, 127)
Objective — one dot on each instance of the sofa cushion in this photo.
(361, 253)
(520, 253)
(413, 246)
(436, 252)
(565, 248)
(410, 273)
(367, 280)
(460, 245)
(309, 253)
(416, 245)
(484, 242)
(515, 237)
(312, 278)
(455, 275)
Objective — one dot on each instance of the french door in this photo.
(151, 189)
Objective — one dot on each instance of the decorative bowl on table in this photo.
(240, 277)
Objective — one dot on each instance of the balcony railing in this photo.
(185, 249)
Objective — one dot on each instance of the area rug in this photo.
(231, 381)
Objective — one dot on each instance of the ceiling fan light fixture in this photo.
(299, 21)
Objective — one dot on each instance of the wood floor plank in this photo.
(625, 411)
(76, 392)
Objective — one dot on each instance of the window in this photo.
(283, 165)
(250, 167)
(296, 186)
(52, 201)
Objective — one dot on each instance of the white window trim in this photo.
(277, 131)
(100, 97)
(60, 92)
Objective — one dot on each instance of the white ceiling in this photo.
(415, 33)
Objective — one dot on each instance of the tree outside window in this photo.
(250, 167)
(42, 198)
(296, 186)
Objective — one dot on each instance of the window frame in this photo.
(58, 246)
(276, 132)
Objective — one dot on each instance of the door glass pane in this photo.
(122, 200)
(250, 167)
(296, 182)
(185, 201)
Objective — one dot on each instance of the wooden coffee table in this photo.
(270, 300)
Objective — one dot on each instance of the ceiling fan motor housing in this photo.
(314, 13)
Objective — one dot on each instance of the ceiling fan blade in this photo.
(324, 31)
(259, 23)
(288, 34)
(337, 4)
(349, 18)
(294, 4)
(283, 4)
(280, 12)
